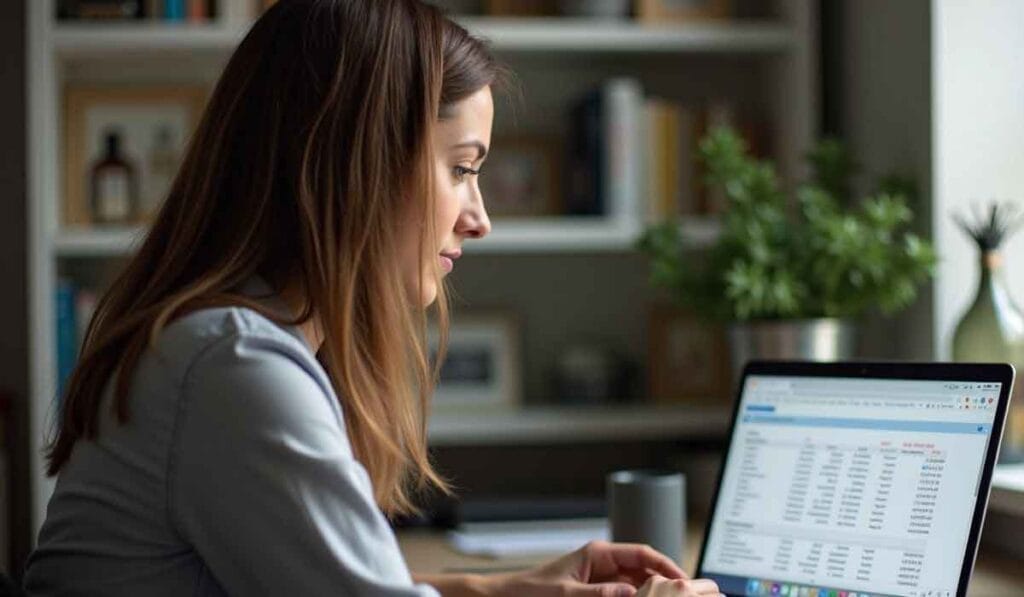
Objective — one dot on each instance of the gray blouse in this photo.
(234, 476)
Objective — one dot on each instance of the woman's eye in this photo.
(461, 172)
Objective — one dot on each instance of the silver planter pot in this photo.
(797, 339)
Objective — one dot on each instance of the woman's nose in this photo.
(473, 221)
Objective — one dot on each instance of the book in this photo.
(153, 9)
(621, 121)
(712, 201)
(99, 9)
(174, 10)
(197, 11)
(583, 193)
(662, 152)
(67, 332)
(669, 160)
(688, 161)
(604, 161)
(85, 305)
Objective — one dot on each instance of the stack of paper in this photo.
(519, 538)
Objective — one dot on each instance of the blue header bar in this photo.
(874, 424)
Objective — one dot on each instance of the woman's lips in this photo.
(448, 259)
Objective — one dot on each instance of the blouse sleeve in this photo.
(263, 483)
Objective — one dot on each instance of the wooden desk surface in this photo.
(427, 552)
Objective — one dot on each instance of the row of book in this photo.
(75, 306)
(636, 156)
(156, 10)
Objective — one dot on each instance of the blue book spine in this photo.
(67, 333)
(174, 10)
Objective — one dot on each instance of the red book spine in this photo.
(197, 11)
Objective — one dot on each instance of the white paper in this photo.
(519, 538)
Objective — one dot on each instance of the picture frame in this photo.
(688, 359)
(521, 178)
(654, 12)
(481, 370)
(142, 116)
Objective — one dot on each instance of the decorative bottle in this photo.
(992, 329)
(113, 186)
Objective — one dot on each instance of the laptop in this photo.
(855, 479)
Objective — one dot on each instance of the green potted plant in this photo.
(790, 276)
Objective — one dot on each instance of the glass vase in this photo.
(992, 331)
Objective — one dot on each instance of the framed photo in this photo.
(688, 360)
(481, 369)
(520, 178)
(152, 126)
(654, 12)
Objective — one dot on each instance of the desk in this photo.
(428, 552)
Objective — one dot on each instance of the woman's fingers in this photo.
(613, 558)
(658, 586)
(703, 586)
(606, 589)
(635, 577)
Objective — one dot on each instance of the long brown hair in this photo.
(316, 141)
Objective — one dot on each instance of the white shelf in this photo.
(540, 235)
(97, 242)
(587, 35)
(105, 41)
(562, 234)
(560, 425)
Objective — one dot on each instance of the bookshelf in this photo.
(767, 61)
(533, 235)
(86, 41)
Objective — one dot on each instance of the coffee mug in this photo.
(648, 506)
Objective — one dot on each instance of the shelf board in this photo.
(557, 234)
(587, 35)
(111, 40)
(534, 235)
(560, 425)
(97, 242)
(77, 41)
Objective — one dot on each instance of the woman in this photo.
(250, 403)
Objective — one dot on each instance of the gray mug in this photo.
(648, 506)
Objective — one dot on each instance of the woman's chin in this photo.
(429, 294)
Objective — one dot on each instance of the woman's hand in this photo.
(658, 586)
(602, 569)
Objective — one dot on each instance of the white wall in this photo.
(978, 139)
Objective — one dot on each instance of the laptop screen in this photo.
(849, 487)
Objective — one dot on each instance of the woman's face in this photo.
(460, 146)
